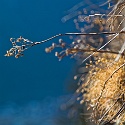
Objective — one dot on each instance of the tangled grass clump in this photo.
(104, 88)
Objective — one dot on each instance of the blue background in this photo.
(37, 74)
(33, 87)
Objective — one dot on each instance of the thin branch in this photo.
(99, 51)
(116, 15)
(67, 34)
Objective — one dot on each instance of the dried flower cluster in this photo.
(19, 45)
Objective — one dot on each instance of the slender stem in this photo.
(117, 15)
(99, 51)
(65, 34)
